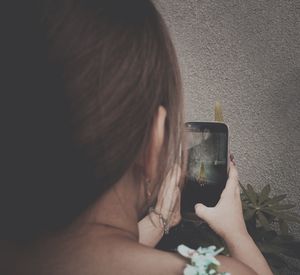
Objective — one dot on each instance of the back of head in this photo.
(83, 81)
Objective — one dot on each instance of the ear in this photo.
(156, 142)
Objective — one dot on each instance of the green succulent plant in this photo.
(260, 208)
(268, 220)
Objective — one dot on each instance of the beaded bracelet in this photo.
(162, 219)
(203, 261)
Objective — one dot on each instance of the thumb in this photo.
(202, 211)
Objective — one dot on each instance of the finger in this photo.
(176, 207)
(233, 176)
(233, 173)
(166, 184)
(169, 185)
(202, 211)
(172, 178)
(175, 171)
(169, 202)
(232, 181)
(179, 199)
(177, 174)
(175, 216)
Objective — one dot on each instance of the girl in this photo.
(95, 110)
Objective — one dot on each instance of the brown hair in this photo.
(109, 65)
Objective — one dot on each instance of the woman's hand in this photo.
(168, 200)
(151, 228)
(226, 218)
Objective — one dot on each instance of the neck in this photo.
(118, 209)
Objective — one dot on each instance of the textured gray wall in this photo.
(245, 54)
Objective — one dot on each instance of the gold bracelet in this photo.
(162, 219)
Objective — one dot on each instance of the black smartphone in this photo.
(207, 165)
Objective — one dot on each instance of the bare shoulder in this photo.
(115, 255)
(125, 256)
(111, 254)
(104, 255)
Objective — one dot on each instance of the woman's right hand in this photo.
(226, 218)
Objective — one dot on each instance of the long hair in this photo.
(89, 78)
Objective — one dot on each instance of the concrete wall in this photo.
(245, 54)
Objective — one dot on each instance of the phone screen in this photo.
(207, 148)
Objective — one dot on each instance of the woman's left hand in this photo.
(168, 201)
(151, 228)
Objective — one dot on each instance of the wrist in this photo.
(156, 222)
(237, 237)
(235, 232)
(162, 221)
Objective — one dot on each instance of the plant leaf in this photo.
(245, 193)
(248, 213)
(276, 261)
(284, 228)
(271, 248)
(284, 206)
(251, 194)
(287, 216)
(292, 217)
(292, 248)
(277, 199)
(269, 235)
(264, 193)
(263, 220)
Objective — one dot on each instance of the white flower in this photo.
(185, 251)
(190, 270)
(203, 260)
